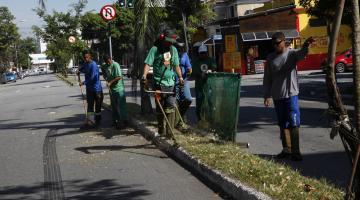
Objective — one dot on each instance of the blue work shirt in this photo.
(184, 65)
(92, 76)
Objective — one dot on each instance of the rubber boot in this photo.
(97, 119)
(169, 129)
(286, 144)
(295, 147)
(161, 124)
(177, 117)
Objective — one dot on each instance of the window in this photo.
(317, 22)
(232, 11)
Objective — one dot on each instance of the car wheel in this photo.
(340, 68)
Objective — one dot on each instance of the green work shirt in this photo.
(112, 71)
(200, 66)
(161, 72)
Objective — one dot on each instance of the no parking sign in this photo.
(108, 12)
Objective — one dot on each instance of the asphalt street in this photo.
(44, 156)
(257, 125)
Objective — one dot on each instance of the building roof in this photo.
(235, 20)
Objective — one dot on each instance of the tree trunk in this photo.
(356, 66)
(335, 101)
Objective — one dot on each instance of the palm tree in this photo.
(42, 4)
(150, 16)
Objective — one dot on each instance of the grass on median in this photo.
(67, 80)
(276, 180)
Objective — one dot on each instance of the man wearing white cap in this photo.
(202, 65)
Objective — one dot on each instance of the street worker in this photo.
(281, 84)
(164, 59)
(115, 83)
(94, 94)
(183, 95)
(202, 65)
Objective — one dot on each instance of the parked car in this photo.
(42, 71)
(34, 72)
(72, 70)
(8, 77)
(25, 73)
(343, 62)
(124, 70)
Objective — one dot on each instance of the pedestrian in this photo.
(281, 84)
(115, 83)
(202, 65)
(183, 94)
(164, 59)
(94, 94)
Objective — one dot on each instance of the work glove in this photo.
(144, 81)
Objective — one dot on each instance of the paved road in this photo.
(44, 156)
(323, 157)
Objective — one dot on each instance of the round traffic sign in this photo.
(71, 39)
(108, 12)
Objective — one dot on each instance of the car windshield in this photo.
(345, 52)
(9, 74)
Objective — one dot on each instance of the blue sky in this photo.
(25, 17)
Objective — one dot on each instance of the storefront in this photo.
(247, 39)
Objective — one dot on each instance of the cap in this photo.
(278, 36)
(170, 36)
(202, 48)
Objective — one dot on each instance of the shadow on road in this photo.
(78, 190)
(317, 166)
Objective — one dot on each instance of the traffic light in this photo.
(130, 3)
(122, 3)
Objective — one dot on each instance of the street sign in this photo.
(216, 37)
(72, 39)
(108, 12)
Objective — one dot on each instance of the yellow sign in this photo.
(232, 60)
(230, 43)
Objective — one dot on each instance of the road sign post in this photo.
(108, 13)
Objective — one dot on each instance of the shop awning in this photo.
(266, 35)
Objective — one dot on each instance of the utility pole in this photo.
(110, 45)
(185, 32)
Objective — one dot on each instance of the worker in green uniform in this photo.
(164, 59)
(115, 82)
(202, 65)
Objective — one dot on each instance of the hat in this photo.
(202, 49)
(170, 36)
(278, 37)
(179, 44)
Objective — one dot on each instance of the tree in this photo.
(150, 17)
(8, 37)
(94, 28)
(342, 124)
(25, 47)
(57, 29)
(187, 15)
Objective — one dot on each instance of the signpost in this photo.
(108, 13)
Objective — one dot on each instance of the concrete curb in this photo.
(231, 187)
(65, 80)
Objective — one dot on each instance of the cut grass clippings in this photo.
(66, 80)
(274, 179)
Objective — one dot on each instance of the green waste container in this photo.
(220, 107)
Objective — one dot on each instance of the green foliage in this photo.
(197, 14)
(8, 37)
(58, 28)
(25, 47)
(325, 9)
(93, 28)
